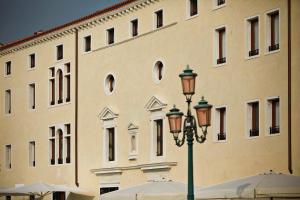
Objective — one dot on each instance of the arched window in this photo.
(60, 146)
(158, 71)
(59, 76)
(109, 84)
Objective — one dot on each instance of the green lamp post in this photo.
(203, 111)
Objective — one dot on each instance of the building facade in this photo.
(85, 104)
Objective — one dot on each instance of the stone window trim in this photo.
(249, 119)
(250, 40)
(269, 48)
(133, 131)
(66, 129)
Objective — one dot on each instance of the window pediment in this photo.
(132, 126)
(107, 114)
(155, 104)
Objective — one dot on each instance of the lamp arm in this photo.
(180, 142)
(201, 138)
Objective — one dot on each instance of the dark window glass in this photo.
(193, 7)
(134, 27)
(32, 60)
(159, 137)
(58, 196)
(111, 144)
(254, 131)
(111, 36)
(87, 41)
(159, 18)
(107, 189)
(59, 52)
(8, 68)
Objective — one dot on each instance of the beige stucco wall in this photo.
(182, 41)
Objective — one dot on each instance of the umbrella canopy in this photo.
(149, 191)
(260, 186)
(41, 189)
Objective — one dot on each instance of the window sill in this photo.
(220, 65)
(219, 7)
(252, 57)
(7, 114)
(272, 135)
(60, 165)
(252, 137)
(132, 157)
(59, 105)
(7, 76)
(59, 61)
(191, 17)
(220, 141)
(31, 68)
(87, 52)
(272, 52)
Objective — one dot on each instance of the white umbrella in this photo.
(264, 185)
(42, 189)
(166, 190)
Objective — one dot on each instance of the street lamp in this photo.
(203, 110)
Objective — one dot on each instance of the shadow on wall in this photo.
(73, 196)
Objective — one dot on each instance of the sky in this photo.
(21, 18)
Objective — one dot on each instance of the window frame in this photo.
(8, 166)
(188, 9)
(216, 46)
(268, 117)
(6, 67)
(32, 163)
(7, 111)
(217, 124)
(29, 62)
(85, 44)
(248, 36)
(248, 119)
(108, 124)
(61, 127)
(105, 84)
(157, 115)
(156, 25)
(268, 31)
(132, 28)
(30, 107)
(57, 58)
(155, 78)
(216, 6)
(108, 43)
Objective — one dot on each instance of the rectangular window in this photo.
(32, 96)
(220, 2)
(111, 144)
(274, 122)
(32, 60)
(253, 36)
(32, 154)
(52, 145)
(110, 36)
(67, 143)
(59, 52)
(134, 27)
(221, 119)
(7, 197)
(87, 43)
(193, 7)
(8, 156)
(273, 19)
(8, 68)
(159, 18)
(221, 45)
(253, 119)
(104, 190)
(58, 196)
(159, 136)
(7, 102)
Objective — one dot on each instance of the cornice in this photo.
(82, 25)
